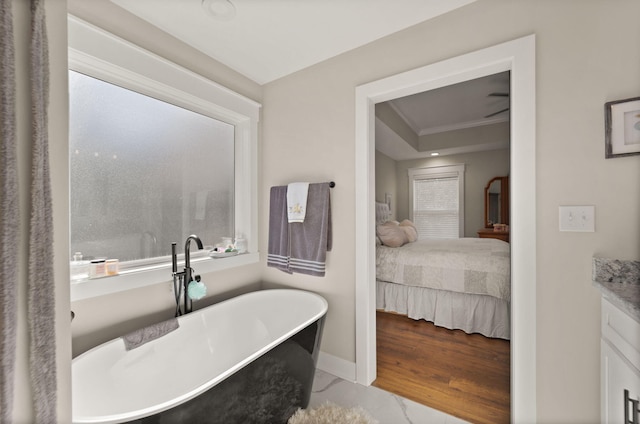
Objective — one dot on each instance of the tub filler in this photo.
(250, 359)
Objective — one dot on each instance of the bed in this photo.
(460, 283)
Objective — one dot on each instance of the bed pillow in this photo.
(410, 230)
(391, 234)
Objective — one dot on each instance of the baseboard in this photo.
(339, 367)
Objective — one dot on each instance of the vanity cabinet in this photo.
(619, 366)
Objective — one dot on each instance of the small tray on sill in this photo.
(222, 254)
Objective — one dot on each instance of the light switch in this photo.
(578, 218)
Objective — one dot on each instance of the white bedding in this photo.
(465, 265)
(455, 283)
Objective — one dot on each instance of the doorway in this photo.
(445, 349)
(517, 56)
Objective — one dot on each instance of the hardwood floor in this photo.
(465, 375)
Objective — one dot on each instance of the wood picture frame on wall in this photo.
(622, 128)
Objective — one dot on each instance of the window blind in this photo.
(436, 207)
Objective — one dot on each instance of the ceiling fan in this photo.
(500, 111)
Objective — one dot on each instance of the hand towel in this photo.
(310, 240)
(144, 335)
(278, 248)
(297, 194)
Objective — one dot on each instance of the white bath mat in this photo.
(329, 413)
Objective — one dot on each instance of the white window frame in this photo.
(440, 172)
(102, 55)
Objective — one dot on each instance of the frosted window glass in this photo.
(144, 173)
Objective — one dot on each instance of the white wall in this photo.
(588, 52)
(59, 157)
(387, 182)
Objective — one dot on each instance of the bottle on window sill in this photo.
(97, 268)
(79, 269)
(241, 244)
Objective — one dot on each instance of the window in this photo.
(144, 173)
(436, 198)
(157, 153)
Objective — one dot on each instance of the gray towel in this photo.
(278, 249)
(310, 240)
(144, 335)
(300, 246)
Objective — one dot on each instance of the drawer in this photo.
(621, 331)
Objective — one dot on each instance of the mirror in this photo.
(496, 202)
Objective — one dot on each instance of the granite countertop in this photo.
(619, 282)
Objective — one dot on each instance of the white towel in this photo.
(297, 201)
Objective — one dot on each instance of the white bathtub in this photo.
(113, 385)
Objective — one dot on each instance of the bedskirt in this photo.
(471, 313)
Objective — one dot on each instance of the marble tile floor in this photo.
(385, 407)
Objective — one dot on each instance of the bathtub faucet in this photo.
(188, 304)
(187, 245)
(185, 277)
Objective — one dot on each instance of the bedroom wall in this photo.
(588, 53)
(386, 181)
(480, 168)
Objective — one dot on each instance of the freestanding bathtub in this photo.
(250, 359)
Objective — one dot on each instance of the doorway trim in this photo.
(517, 56)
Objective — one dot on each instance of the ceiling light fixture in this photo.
(221, 10)
(435, 154)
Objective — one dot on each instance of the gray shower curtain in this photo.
(9, 212)
(40, 281)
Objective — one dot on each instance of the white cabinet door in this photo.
(618, 375)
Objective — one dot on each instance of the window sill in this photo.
(160, 274)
